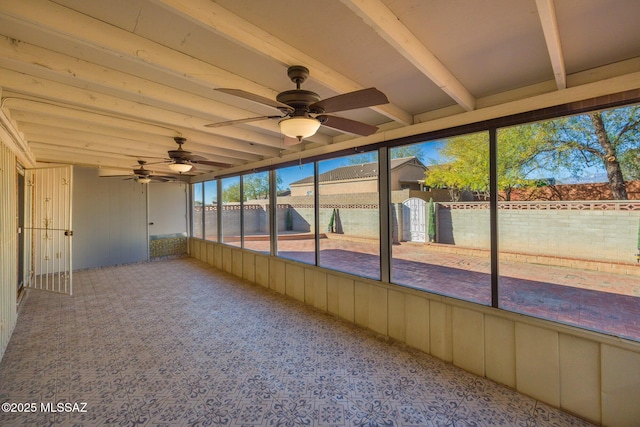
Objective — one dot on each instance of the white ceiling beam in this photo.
(82, 37)
(118, 107)
(379, 17)
(61, 152)
(46, 113)
(164, 98)
(101, 143)
(213, 17)
(140, 139)
(34, 60)
(547, 14)
(64, 155)
(81, 31)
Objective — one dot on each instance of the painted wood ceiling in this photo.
(105, 83)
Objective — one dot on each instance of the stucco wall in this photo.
(408, 172)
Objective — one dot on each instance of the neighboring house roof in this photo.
(359, 171)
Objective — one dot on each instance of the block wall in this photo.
(603, 231)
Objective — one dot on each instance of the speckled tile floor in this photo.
(177, 343)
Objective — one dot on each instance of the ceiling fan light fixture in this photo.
(299, 127)
(144, 180)
(180, 167)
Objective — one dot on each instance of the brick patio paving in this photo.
(603, 302)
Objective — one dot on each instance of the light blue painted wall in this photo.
(109, 220)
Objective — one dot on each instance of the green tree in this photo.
(465, 167)
(432, 220)
(630, 164)
(608, 139)
(255, 186)
(521, 150)
(231, 194)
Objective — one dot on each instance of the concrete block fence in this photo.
(606, 231)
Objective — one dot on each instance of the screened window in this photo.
(255, 209)
(546, 222)
(231, 213)
(441, 237)
(198, 211)
(569, 220)
(349, 218)
(211, 210)
(295, 213)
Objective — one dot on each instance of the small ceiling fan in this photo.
(303, 111)
(145, 176)
(182, 160)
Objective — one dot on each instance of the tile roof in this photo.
(363, 170)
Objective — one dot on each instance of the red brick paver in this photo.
(603, 302)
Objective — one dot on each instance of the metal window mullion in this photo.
(384, 224)
(316, 207)
(241, 191)
(219, 210)
(273, 209)
(493, 213)
(203, 212)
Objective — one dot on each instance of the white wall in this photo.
(592, 375)
(167, 208)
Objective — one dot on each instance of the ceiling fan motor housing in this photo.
(142, 172)
(299, 100)
(180, 153)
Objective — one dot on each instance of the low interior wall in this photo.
(592, 375)
(167, 245)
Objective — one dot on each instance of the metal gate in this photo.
(48, 229)
(413, 220)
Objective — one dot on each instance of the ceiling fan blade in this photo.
(240, 121)
(256, 98)
(347, 125)
(117, 176)
(350, 101)
(160, 178)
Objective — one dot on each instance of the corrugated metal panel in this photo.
(8, 246)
